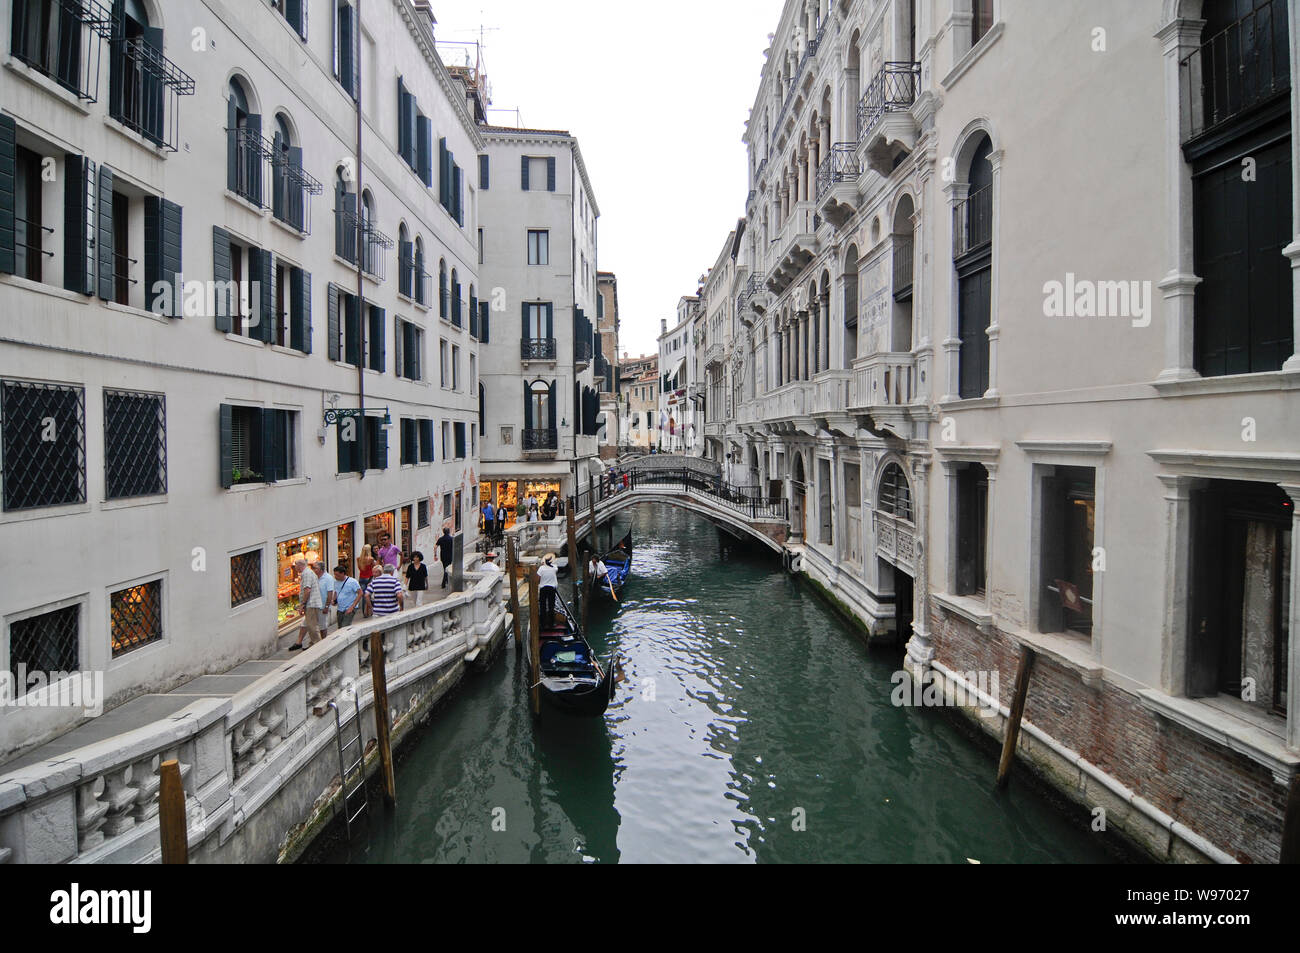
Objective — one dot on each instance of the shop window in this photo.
(43, 444)
(135, 444)
(48, 642)
(343, 536)
(288, 580)
(1067, 531)
(245, 577)
(135, 617)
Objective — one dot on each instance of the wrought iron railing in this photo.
(63, 39)
(902, 264)
(291, 185)
(748, 501)
(375, 243)
(29, 240)
(1238, 68)
(581, 350)
(537, 349)
(544, 438)
(122, 279)
(252, 153)
(147, 86)
(972, 222)
(893, 89)
(841, 165)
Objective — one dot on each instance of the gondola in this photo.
(573, 680)
(618, 562)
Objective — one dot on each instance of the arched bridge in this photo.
(741, 511)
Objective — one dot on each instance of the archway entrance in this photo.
(799, 497)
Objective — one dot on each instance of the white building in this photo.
(540, 408)
(178, 453)
(1073, 434)
(676, 359)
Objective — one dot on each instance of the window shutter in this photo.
(104, 232)
(426, 441)
(253, 156)
(378, 357)
(523, 172)
(481, 404)
(550, 320)
(444, 184)
(460, 198)
(550, 173)
(293, 188)
(332, 327)
(413, 352)
(424, 135)
(261, 270)
(483, 322)
(403, 143)
(528, 406)
(295, 11)
(279, 177)
(225, 458)
(162, 252)
(335, 25)
(270, 469)
(223, 302)
(528, 331)
(8, 178)
(381, 445)
(404, 274)
(300, 310)
(398, 367)
(78, 184)
(232, 144)
(483, 173)
(551, 408)
(345, 447)
(473, 315)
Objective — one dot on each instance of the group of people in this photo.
(376, 590)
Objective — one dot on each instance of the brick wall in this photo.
(1224, 796)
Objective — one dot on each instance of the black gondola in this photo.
(618, 563)
(572, 678)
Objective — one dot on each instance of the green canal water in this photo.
(754, 725)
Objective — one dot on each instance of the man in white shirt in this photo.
(309, 601)
(490, 563)
(597, 569)
(547, 588)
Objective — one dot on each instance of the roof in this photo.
(525, 131)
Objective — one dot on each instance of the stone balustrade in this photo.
(100, 803)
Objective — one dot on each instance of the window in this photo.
(245, 577)
(421, 514)
(405, 262)
(409, 342)
(446, 440)
(292, 308)
(539, 416)
(539, 247)
(43, 445)
(30, 228)
(981, 19)
(48, 642)
(344, 326)
(455, 299)
(460, 441)
(444, 360)
(446, 506)
(481, 405)
(455, 367)
(971, 521)
(450, 184)
(345, 216)
(135, 444)
(459, 509)
(1068, 515)
(346, 47)
(257, 445)
(483, 173)
(973, 259)
(290, 184)
(444, 301)
(135, 617)
(362, 444)
(244, 150)
(410, 442)
(48, 36)
(426, 441)
(295, 12)
(142, 83)
(895, 493)
(480, 246)
(537, 172)
(244, 279)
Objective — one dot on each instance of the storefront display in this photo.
(377, 526)
(345, 553)
(509, 495)
(310, 548)
(406, 542)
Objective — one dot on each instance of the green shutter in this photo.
(398, 367)
(104, 232)
(550, 320)
(483, 169)
(8, 180)
(528, 406)
(225, 457)
(424, 141)
(332, 323)
(380, 444)
(232, 143)
(403, 145)
(483, 322)
(300, 310)
(270, 459)
(261, 270)
(523, 173)
(352, 330)
(222, 301)
(550, 424)
(78, 185)
(550, 173)
(378, 358)
(162, 251)
(528, 331)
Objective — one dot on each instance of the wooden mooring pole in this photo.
(512, 567)
(171, 814)
(586, 594)
(1017, 712)
(591, 526)
(534, 646)
(571, 520)
(379, 681)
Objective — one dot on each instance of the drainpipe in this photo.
(361, 237)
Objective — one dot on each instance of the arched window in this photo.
(903, 251)
(243, 144)
(973, 259)
(345, 216)
(421, 279)
(895, 494)
(405, 262)
(443, 302)
(135, 97)
(455, 298)
(539, 416)
(368, 251)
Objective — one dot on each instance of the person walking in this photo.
(389, 552)
(547, 588)
(489, 518)
(309, 602)
(326, 595)
(347, 596)
(501, 522)
(446, 550)
(365, 567)
(417, 577)
(385, 597)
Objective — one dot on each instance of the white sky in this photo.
(657, 95)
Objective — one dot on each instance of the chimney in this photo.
(663, 325)
(424, 16)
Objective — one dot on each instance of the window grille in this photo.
(49, 642)
(245, 577)
(135, 444)
(135, 616)
(422, 514)
(43, 448)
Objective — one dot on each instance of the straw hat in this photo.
(550, 558)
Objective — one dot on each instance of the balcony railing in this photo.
(840, 166)
(290, 187)
(903, 254)
(375, 243)
(252, 153)
(893, 89)
(537, 349)
(886, 379)
(581, 350)
(63, 39)
(146, 86)
(1238, 68)
(972, 222)
(541, 439)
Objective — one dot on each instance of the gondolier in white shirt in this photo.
(547, 588)
(598, 569)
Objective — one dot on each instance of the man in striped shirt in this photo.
(384, 596)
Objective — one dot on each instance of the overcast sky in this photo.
(658, 96)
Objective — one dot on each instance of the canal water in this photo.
(754, 725)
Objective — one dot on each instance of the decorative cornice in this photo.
(1090, 448)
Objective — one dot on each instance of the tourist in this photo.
(388, 551)
(446, 550)
(501, 522)
(532, 509)
(551, 508)
(309, 602)
(490, 563)
(347, 596)
(366, 567)
(384, 597)
(547, 589)
(326, 595)
(417, 577)
(489, 518)
(626, 480)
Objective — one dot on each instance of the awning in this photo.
(676, 368)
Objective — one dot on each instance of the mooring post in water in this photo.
(534, 645)
(512, 567)
(571, 519)
(1017, 712)
(586, 594)
(591, 531)
(171, 814)
(379, 680)
(1291, 824)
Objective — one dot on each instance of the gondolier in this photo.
(547, 587)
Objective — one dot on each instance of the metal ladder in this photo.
(357, 766)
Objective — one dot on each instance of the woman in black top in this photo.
(417, 577)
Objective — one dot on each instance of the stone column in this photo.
(995, 163)
(1293, 622)
(992, 470)
(920, 650)
(1178, 38)
(1178, 537)
(957, 193)
(826, 136)
(826, 328)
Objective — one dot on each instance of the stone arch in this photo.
(888, 461)
(968, 140)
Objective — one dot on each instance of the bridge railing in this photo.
(748, 501)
